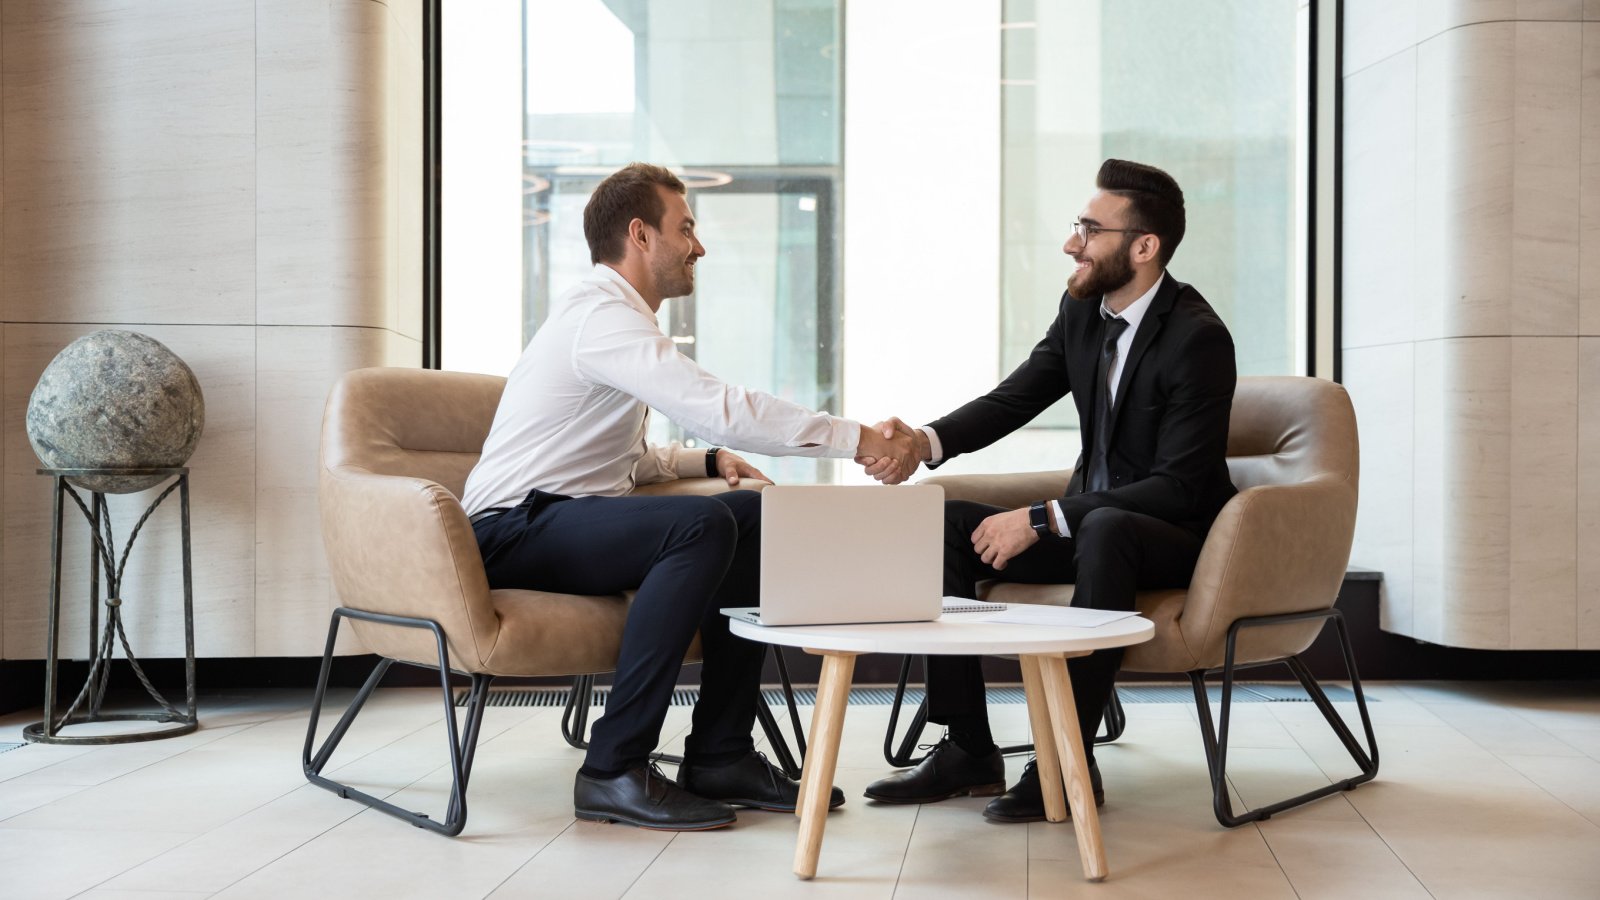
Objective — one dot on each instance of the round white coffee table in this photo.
(1052, 713)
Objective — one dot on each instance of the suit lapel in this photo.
(1160, 305)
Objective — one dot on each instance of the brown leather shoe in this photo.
(1025, 802)
(947, 771)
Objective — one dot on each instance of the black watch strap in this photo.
(711, 461)
(1039, 518)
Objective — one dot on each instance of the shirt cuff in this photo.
(1061, 518)
(935, 451)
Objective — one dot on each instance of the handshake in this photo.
(890, 451)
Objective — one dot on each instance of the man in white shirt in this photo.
(1150, 367)
(549, 507)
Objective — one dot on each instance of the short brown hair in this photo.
(1155, 202)
(627, 194)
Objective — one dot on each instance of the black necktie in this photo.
(1099, 477)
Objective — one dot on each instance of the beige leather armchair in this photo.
(1268, 574)
(397, 445)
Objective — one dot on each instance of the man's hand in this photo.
(1002, 536)
(731, 466)
(891, 451)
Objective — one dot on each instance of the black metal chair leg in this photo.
(463, 743)
(1216, 741)
(788, 697)
(575, 717)
(1116, 721)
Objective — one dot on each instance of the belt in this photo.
(489, 514)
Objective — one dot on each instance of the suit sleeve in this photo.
(1028, 391)
(1191, 440)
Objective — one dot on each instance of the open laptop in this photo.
(835, 555)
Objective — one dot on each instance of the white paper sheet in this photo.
(1056, 616)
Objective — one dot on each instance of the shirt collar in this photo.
(604, 273)
(1136, 310)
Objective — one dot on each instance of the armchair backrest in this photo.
(397, 445)
(1283, 543)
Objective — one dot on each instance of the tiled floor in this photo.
(1485, 791)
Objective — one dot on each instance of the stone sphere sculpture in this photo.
(116, 399)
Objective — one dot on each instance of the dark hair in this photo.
(1155, 202)
(627, 194)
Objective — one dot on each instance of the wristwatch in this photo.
(711, 461)
(1039, 518)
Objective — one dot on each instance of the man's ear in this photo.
(638, 234)
(1146, 248)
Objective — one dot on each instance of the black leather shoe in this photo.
(649, 799)
(750, 781)
(1025, 802)
(947, 771)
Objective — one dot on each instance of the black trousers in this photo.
(687, 557)
(1113, 555)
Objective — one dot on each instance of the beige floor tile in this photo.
(40, 863)
(1053, 878)
(1574, 781)
(955, 852)
(1503, 732)
(105, 894)
(1584, 739)
(699, 870)
(1328, 860)
(19, 798)
(222, 856)
(1512, 883)
(1262, 777)
(586, 860)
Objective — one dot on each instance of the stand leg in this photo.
(816, 783)
(1074, 765)
(1044, 742)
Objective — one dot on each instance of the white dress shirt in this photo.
(1133, 315)
(572, 419)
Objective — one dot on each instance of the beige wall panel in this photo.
(1543, 466)
(1587, 547)
(404, 249)
(1375, 30)
(296, 368)
(1429, 498)
(320, 90)
(222, 509)
(1435, 16)
(1380, 382)
(1464, 179)
(1463, 492)
(1544, 216)
(1589, 185)
(129, 161)
(1380, 208)
(402, 351)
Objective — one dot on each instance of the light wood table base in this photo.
(1051, 712)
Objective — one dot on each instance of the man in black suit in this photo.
(1150, 367)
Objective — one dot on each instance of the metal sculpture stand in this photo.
(101, 646)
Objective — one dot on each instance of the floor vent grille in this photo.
(882, 696)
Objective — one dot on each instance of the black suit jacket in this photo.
(1169, 427)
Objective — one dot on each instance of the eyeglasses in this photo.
(1086, 232)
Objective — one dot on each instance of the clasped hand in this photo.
(891, 450)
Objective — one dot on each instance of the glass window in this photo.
(883, 188)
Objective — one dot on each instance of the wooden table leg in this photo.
(1074, 765)
(1047, 762)
(816, 778)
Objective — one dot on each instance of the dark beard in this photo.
(1106, 275)
(671, 279)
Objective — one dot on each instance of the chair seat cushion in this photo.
(1164, 652)
(560, 634)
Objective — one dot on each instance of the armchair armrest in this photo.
(1011, 491)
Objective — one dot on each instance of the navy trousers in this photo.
(687, 557)
(1113, 555)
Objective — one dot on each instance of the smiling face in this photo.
(674, 248)
(1104, 260)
